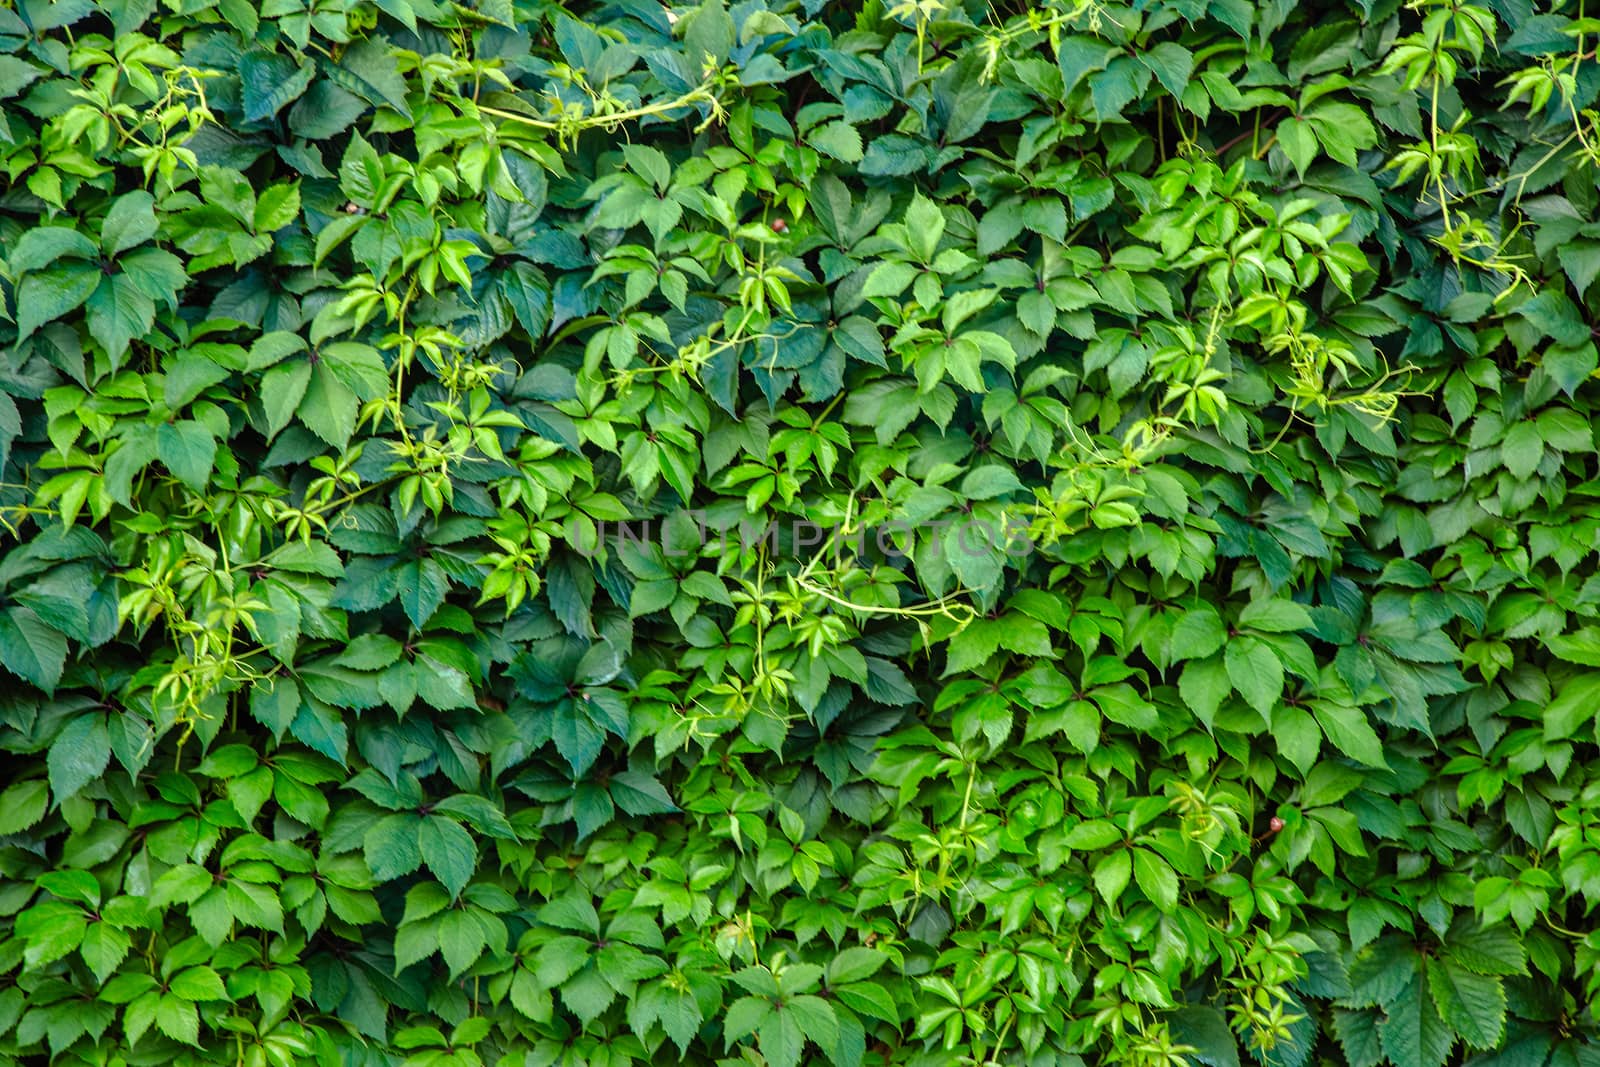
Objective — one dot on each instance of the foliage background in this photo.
(331, 329)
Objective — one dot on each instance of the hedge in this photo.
(912, 532)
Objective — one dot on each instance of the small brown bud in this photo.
(779, 226)
(1275, 824)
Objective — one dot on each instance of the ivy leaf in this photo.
(120, 312)
(1522, 449)
(1171, 63)
(268, 81)
(130, 221)
(328, 407)
(79, 755)
(282, 389)
(392, 847)
(188, 450)
(1412, 1032)
(1358, 1037)
(47, 295)
(104, 947)
(528, 293)
(1206, 1031)
(677, 1011)
(1299, 142)
(448, 851)
(1156, 879)
(178, 1019)
(422, 585)
(1473, 1005)
(22, 805)
(1255, 671)
(30, 649)
(1350, 732)
(577, 737)
(640, 794)
(838, 139)
(1489, 950)
(41, 246)
(368, 69)
(1575, 705)
(1111, 875)
(275, 703)
(325, 111)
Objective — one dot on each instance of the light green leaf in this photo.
(22, 805)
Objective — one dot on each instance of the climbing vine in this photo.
(782, 532)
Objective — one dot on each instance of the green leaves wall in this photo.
(1108, 531)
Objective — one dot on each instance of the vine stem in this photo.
(699, 95)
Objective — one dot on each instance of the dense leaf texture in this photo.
(786, 532)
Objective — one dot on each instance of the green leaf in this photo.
(461, 940)
(1570, 367)
(120, 312)
(1111, 875)
(1522, 449)
(30, 649)
(275, 703)
(1171, 63)
(1204, 685)
(1275, 616)
(1299, 142)
(329, 407)
(679, 1015)
(924, 226)
(178, 1019)
(448, 851)
(267, 82)
(1255, 671)
(640, 794)
(839, 140)
(1473, 1005)
(422, 588)
(392, 847)
(47, 295)
(104, 947)
(325, 111)
(41, 246)
(1492, 950)
(368, 69)
(79, 755)
(1574, 706)
(16, 75)
(1581, 646)
(1358, 1037)
(1206, 1031)
(528, 293)
(198, 983)
(1156, 879)
(22, 805)
(889, 279)
(1198, 633)
(1581, 261)
(282, 389)
(277, 207)
(131, 221)
(781, 1039)
(188, 450)
(1412, 1033)
(1350, 732)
